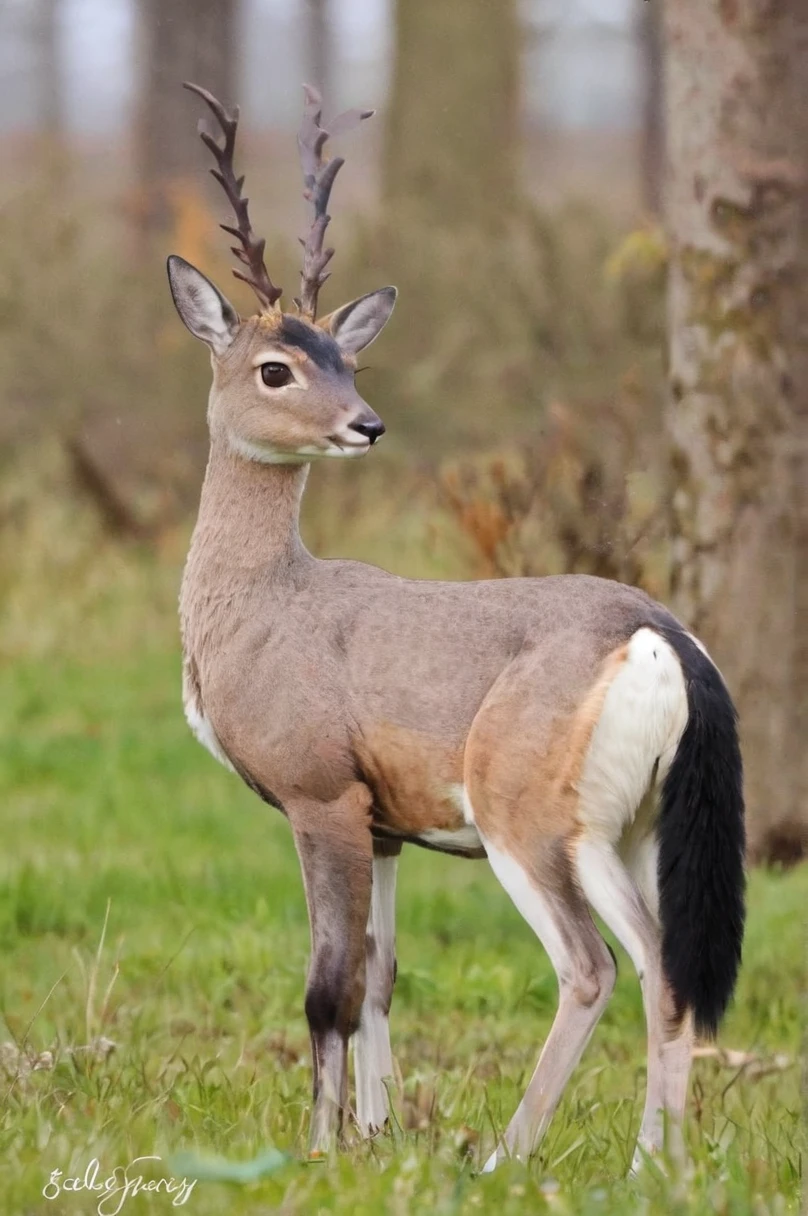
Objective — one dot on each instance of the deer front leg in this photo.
(373, 1058)
(335, 848)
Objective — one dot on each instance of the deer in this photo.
(568, 729)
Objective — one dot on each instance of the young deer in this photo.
(569, 729)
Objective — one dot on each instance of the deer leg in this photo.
(676, 1040)
(586, 974)
(616, 896)
(373, 1058)
(335, 848)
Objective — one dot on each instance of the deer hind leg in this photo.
(626, 902)
(373, 1057)
(586, 973)
(631, 747)
(335, 848)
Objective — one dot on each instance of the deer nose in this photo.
(372, 429)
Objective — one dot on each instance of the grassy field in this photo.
(149, 900)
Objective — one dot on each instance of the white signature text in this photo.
(118, 1186)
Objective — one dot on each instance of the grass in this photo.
(148, 899)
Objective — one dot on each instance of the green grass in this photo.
(110, 811)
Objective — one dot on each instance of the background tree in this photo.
(737, 117)
(181, 40)
(452, 131)
(319, 49)
(49, 77)
(450, 186)
(652, 108)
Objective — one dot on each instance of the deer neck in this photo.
(248, 523)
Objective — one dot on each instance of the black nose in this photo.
(370, 429)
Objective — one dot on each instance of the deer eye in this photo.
(275, 375)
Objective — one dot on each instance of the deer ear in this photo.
(202, 306)
(355, 325)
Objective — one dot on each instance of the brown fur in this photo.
(522, 771)
(411, 774)
(523, 763)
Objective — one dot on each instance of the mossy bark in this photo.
(737, 120)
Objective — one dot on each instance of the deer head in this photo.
(283, 383)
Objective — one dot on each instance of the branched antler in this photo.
(251, 250)
(318, 178)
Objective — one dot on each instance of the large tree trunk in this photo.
(181, 40)
(452, 131)
(450, 190)
(737, 116)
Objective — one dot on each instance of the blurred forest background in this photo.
(596, 213)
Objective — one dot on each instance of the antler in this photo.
(318, 178)
(251, 251)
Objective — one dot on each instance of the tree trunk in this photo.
(737, 117)
(452, 129)
(49, 83)
(450, 187)
(181, 40)
(318, 51)
(652, 132)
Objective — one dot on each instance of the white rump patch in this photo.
(643, 716)
(205, 733)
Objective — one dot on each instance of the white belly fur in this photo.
(461, 840)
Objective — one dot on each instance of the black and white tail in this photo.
(701, 846)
